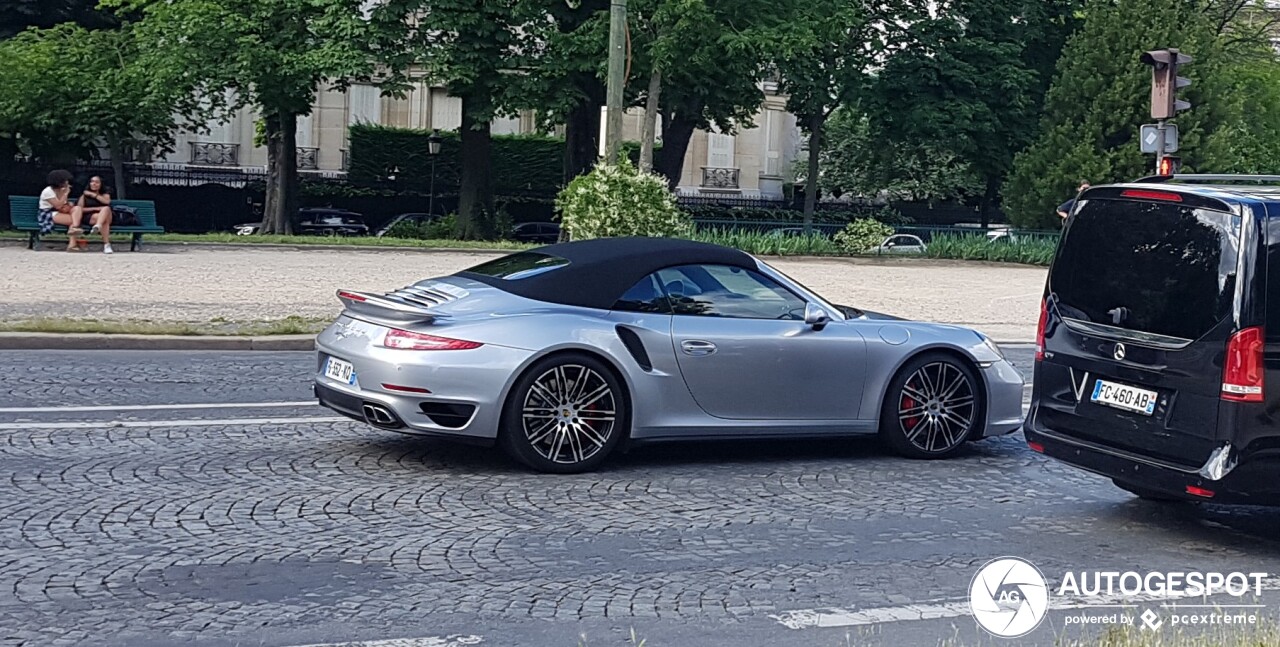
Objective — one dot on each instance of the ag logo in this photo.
(1009, 597)
(1119, 352)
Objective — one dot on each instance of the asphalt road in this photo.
(255, 518)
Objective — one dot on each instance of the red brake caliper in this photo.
(909, 403)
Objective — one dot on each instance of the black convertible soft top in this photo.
(595, 273)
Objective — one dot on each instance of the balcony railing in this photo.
(215, 154)
(719, 178)
(308, 158)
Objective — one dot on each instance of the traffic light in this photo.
(1165, 82)
(1169, 165)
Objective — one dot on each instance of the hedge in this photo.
(824, 216)
(521, 164)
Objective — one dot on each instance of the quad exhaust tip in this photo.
(380, 416)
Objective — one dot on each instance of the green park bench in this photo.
(23, 209)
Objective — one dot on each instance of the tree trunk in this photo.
(989, 199)
(811, 177)
(282, 173)
(475, 200)
(650, 121)
(582, 138)
(120, 186)
(676, 133)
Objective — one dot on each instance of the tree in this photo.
(272, 54)
(855, 162)
(1100, 98)
(969, 83)
(835, 46)
(71, 89)
(473, 47)
(45, 14)
(713, 55)
(563, 76)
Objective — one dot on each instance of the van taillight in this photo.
(1044, 320)
(1242, 369)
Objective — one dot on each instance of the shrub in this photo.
(520, 164)
(862, 234)
(841, 215)
(763, 243)
(1038, 250)
(620, 201)
(438, 229)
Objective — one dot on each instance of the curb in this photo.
(101, 341)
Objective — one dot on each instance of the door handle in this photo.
(697, 347)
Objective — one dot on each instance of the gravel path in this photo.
(179, 283)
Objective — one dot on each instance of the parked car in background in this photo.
(901, 244)
(318, 221)
(415, 219)
(536, 232)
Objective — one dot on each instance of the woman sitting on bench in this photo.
(56, 209)
(95, 203)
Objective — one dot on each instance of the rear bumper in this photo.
(1253, 480)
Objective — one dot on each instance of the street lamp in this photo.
(433, 148)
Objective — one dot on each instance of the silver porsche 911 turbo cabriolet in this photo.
(560, 353)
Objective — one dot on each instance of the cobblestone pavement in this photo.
(173, 283)
(279, 525)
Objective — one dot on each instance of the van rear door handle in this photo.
(697, 347)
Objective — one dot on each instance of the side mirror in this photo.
(815, 316)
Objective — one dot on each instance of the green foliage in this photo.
(1100, 97)
(437, 229)
(269, 53)
(862, 234)
(620, 201)
(855, 162)
(843, 215)
(1031, 250)
(766, 244)
(70, 89)
(45, 14)
(970, 84)
(631, 151)
(519, 163)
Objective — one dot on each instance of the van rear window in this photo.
(1157, 268)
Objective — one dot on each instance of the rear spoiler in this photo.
(381, 307)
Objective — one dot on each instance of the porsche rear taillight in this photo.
(409, 340)
(1044, 321)
(1242, 369)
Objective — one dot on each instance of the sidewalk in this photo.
(200, 284)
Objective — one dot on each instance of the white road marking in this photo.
(431, 641)
(160, 407)
(199, 422)
(819, 618)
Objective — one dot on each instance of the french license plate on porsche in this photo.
(336, 369)
(1123, 396)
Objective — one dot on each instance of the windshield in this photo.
(1151, 267)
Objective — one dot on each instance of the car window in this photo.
(723, 291)
(1154, 267)
(645, 296)
(520, 265)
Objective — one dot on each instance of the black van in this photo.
(1158, 350)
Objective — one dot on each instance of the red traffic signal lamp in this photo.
(1168, 165)
(1165, 81)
